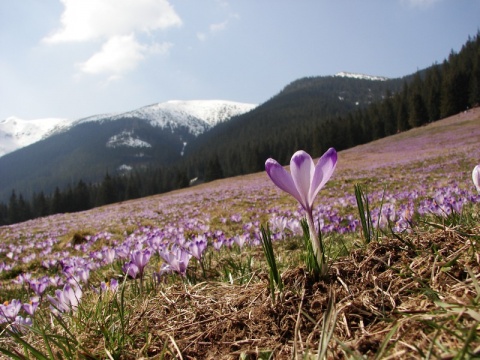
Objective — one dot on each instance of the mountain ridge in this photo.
(178, 134)
(197, 115)
(16, 133)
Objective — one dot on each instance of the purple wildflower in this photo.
(304, 182)
(66, 300)
(131, 269)
(197, 246)
(39, 285)
(476, 177)
(177, 259)
(9, 310)
(31, 306)
(140, 258)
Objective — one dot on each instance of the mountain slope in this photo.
(198, 115)
(275, 127)
(16, 133)
(161, 134)
(88, 148)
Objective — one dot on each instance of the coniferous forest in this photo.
(300, 117)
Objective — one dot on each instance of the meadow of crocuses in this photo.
(55, 266)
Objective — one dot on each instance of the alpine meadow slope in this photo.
(122, 157)
(203, 270)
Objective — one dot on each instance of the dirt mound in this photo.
(389, 297)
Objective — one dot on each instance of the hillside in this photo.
(162, 146)
(285, 120)
(313, 113)
(422, 277)
(319, 112)
(63, 153)
(455, 138)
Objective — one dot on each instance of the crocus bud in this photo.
(476, 177)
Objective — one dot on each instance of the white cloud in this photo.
(219, 26)
(216, 28)
(118, 55)
(115, 22)
(84, 20)
(222, 3)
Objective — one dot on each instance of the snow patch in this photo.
(125, 138)
(183, 148)
(360, 76)
(16, 133)
(195, 115)
(124, 168)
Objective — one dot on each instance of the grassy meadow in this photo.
(183, 275)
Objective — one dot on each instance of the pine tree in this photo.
(40, 206)
(13, 209)
(108, 193)
(24, 209)
(81, 197)
(56, 204)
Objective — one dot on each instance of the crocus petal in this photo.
(323, 171)
(282, 178)
(476, 177)
(302, 167)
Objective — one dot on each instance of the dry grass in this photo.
(384, 289)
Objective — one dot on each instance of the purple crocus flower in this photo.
(66, 300)
(9, 310)
(140, 258)
(476, 177)
(23, 278)
(22, 323)
(39, 285)
(306, 179)
(197, 246)
(176, 259)
(240, 240)
(31, 306)
(83, 274)
(109, 255)
(130, 269)
(111, 285)
(303, 183)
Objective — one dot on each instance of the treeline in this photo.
(429, 95)
(302, 116)
(283, 123)
(84, 196)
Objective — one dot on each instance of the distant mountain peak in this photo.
(195, 115)
(361, 76)
(16, 133)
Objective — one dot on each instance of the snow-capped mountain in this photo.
(196, 115)
(361, 76)
(16, 133)
(58, 153)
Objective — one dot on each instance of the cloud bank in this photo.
(115, 23)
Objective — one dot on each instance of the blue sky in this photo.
(75, 58)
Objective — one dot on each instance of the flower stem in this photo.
(316, 246)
